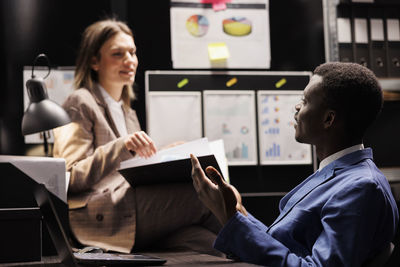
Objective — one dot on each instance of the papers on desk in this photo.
(45, 170)
(173, 164)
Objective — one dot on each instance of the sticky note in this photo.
(216, 4)
(231, 82)
(183, 82)
(218, 51)
(280, 83)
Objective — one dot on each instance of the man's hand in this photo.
(140, 143)
(220, 197)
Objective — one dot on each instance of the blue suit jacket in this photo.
(341, 215)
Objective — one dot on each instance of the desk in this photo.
(180, 258)
(189, 258)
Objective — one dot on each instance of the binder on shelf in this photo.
(344, 34)
(393, 41)
(378, 61)
(361, 38)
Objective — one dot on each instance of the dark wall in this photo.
(31, 27)
(28, 28)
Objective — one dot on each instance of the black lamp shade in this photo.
(42, 114)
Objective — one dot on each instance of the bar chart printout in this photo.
(231, 116)
(277, 144)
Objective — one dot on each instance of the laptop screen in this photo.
(63, 247)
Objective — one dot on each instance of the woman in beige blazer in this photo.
(104, 210)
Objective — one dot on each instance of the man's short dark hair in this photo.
(353, 92)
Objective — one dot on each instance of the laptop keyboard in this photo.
(108, 256)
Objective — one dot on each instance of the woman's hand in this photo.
(220, 197)
(141, 143)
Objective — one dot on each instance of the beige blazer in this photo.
(102, 204)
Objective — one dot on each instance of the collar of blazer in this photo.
(318, 178)
(102, 104)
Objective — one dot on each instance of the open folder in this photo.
(173, 164)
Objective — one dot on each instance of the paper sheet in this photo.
(276, 129)
(48, 171)
(393, 29)
(230, 115)
(199, 147)
(174, 116)
(360, 31)
(344, 30)
(377, 32)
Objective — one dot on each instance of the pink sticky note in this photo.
(219, 6)
(216, 4)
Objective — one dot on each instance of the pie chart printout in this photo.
(237, 26)
(197, 25)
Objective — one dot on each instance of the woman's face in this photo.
(118, 62)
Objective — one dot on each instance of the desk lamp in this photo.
(42, 113)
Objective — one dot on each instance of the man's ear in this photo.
(94, 63)
(329, 119)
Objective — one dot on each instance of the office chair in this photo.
(382, 258)
(390, 255)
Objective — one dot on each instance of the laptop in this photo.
(64, 250)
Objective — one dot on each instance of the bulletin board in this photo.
(252, 112)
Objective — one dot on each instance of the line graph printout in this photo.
(174, 116)
(230, 115)
(277, 144)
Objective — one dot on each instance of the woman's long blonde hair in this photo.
(93, 39)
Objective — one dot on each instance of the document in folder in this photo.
(393, 42)
(173, 164)
(361, 38)
(345, 37)
(361, 52)
(378, 45)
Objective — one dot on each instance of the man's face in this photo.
(310, 113)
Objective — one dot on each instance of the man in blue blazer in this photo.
(342, 215)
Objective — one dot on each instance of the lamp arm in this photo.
(46, 144)
(34, 64)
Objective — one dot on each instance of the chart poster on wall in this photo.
(173, 117)
(231, 116)
(276, 122)
(204, 38)
(59, 85)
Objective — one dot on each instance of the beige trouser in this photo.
(172, 217)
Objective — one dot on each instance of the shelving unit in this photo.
(330, 7)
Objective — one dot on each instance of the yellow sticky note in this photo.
(231, 82)
(218, 51)
(280, 83)
(183, 82)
